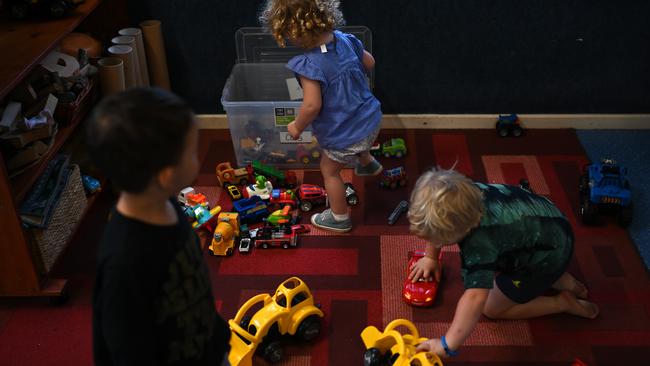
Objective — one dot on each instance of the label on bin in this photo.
(284, 116)
(305, 138)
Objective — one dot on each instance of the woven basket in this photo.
(49, 243)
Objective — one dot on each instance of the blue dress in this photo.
(349, 111)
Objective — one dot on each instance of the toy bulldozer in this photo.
(392, 348)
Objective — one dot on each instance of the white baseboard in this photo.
(469, 121)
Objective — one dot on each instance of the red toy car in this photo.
(299, 229)
(423, 292)
(311, 195)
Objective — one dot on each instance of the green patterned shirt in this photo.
(520, 232)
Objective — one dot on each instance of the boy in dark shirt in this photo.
(153, 302)
(514, 246)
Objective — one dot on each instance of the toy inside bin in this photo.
(258, 104)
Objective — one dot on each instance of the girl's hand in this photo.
(432, 346)
(293, 130)
(425, 267)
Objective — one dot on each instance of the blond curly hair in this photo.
(445, 205)
(303, 22)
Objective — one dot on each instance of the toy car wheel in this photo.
(525, 184)
(211, 252)
(61, 299)
(285, 245)
(305, 206)
(372, 357)
(625, 216)
(353, 200)
(517, 131)
(309, 329)
(229, 252)
(584, 184)
(265, 246)
(502, 130)
(587, 211)
(272, 352)
(227, 176)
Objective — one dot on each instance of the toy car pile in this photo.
(266, 208)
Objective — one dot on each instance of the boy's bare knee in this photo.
(491, 313)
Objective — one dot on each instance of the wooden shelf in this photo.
(25, 43)
(24, 181)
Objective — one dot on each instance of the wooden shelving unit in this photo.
(23, 45)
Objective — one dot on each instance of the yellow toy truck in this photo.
(223, 240)
(227, 174)
(290, 311)
(392, 348)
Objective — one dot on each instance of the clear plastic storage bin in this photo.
(259, 106)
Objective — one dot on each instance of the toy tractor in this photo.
(395, 147)
(508, 124)
(227, 174)
(604, 187)
(290, 311)
(392, 348)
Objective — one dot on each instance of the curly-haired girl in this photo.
(337, 100)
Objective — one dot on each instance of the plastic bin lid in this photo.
(255, 45)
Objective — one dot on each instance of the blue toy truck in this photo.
(251, 210)
(604, 187)
(508, 124)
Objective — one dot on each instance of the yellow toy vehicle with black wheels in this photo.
(227, 231)
(391, 348)
(290, 311)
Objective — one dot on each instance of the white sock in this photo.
(343, 217)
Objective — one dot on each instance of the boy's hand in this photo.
(425, 267)
(432, 346)
(293, 130)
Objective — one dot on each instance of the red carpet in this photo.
(357, 276)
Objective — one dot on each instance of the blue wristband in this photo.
(446, 347)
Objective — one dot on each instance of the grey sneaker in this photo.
(325, 220)
(372, 169)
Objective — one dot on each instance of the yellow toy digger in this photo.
(392, 348)
(290, 311)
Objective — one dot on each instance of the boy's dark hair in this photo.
(134, 134)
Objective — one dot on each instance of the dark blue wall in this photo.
(447, 56)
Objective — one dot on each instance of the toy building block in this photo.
(401, 208)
